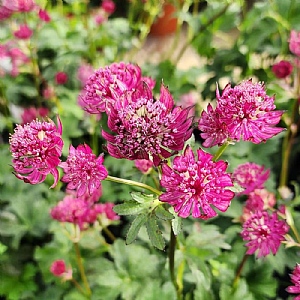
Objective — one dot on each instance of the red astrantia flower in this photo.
(61, 77)
(295, 278)
(294, 42)
(107, 84)
(250, 176)
(31, 113)
(59, 269)
(264, 233)
(108, 6)
(282, 69)
(36, 148)
(83, 170)
(244, 112)
(44, 15)
(5, 13)
(23, 33)
(194, 186)
(146, 128)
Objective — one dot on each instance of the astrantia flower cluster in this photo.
(251, 176)
(295, 278)
(107, 84)
(194, 186)
(146, 128)
(244, 112)
(83, 210)
(264, 233)
(83, 170)
(36, 149)
(59, 269)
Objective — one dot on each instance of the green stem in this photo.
(81, 270)
(172, 264)
(78, 286)
(239, 270)
(220, 151)
(133, 183)
(109, 234)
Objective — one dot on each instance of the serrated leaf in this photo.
(162, 213)
(128, 208)
(142, 198)
(155, 235)
(135, 227)
(177, 225)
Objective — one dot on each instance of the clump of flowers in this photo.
(24, 32)
(146, 128)
(244, 112)
(295, 278)
(264, 233)
(194, 186)
(250, 176)
(31, 113)
(36, 148)
(294, 42)
(83, 170)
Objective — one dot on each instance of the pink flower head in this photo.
(61, 77)
(44, 16)
(84, 72)
(260, 199)
(31, 113)
(72, 210)
(36, 148)
(188, 100)
(23, 33)
(193, 186)
(5, 13)
(19, 5)
(104, 211)
(244, 112)
(264, 233)
(48, 92)
(295, 278)
(83, 170)
(108, 6)
(250, 176)
(59, 269)
(294, 42)
(107, 84)
(282, 69)
(144, 165)
(100, 18)
(146, 128)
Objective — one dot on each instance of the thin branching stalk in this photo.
(133, 183)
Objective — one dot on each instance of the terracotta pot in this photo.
(166, 23)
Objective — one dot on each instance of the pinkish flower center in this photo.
(144, 126)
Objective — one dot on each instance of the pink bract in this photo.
(194, 186)
(251, 176)
(107, 84)
(244, 112)
(36, 148)
(264, 233)
(146, 128)
(295, 278)
(83, 170)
